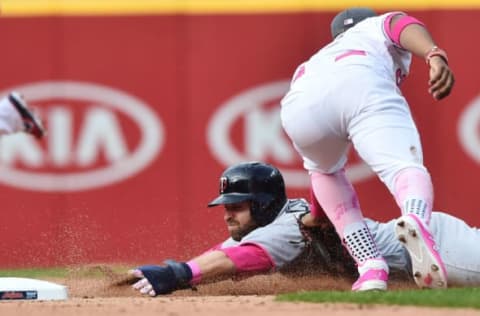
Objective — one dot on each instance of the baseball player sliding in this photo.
(16, 116)
(269, 232)
(347, 93)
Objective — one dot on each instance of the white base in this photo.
(31, 289)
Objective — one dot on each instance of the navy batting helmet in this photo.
(257, 182)
(349, 18)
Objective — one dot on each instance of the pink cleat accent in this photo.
(373, 276)
(427, 265)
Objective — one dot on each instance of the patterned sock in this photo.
(359, 242)
(338, 199)
(417, 206)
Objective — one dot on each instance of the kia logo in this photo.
(80, 143)
(469, 123)
(262, 134)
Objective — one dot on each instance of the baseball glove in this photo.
(323, 245)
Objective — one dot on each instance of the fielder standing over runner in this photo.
(347, 93)
(269, 232)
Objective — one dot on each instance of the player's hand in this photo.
(143, 285)
(309, 221)
(155, 280)
(158, 280)
(441, 78)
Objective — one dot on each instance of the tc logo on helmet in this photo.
(223, 184)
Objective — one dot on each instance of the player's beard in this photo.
(240, 231)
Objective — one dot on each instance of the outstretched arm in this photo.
(211, 266)
(413, 36)
(214, 266)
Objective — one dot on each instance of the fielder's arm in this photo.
(414, 37)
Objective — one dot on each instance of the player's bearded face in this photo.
(239, 220)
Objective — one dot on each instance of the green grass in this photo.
(35, 273)
(454, 297)
(93, 270)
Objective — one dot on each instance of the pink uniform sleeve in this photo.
(249, 257)
(394, 33)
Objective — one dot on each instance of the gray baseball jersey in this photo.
(282, 238)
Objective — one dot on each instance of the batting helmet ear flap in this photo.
(260, 213)
(264, 208)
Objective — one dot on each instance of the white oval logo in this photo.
(469, 123)
(100, 131)
(262, 134)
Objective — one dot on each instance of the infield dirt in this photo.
(96, 296)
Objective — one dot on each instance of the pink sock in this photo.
(413, 192)
(315, 209)
(335, 194)
(338, 199)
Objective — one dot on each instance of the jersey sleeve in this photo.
(394, 33)
(385, 24)
(249, 257)
(281, 239)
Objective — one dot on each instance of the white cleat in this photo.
(427, 265)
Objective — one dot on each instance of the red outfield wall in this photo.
(145, 112)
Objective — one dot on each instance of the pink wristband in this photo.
(435, 51)
(401, 24)
(196, 272)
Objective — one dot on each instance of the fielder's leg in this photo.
(413, 191)
(317, 121)
(387, 139)
(337, 197)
